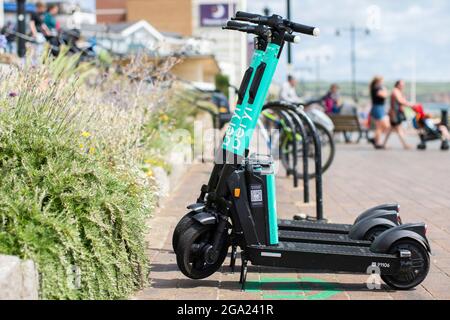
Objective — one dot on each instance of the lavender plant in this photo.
(73, 196)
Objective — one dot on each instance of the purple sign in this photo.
(215, 15)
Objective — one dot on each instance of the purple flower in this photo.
(13, 94)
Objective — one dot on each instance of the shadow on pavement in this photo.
(253, 286)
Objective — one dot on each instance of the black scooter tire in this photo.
(196, 235)
(185, 223)
(373, 233)
(418, 252)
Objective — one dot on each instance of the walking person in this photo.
(378, 94)
(397, 114)
(39, 30)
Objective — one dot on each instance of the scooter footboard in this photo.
(309, 257)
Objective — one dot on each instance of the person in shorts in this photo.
(39, 30)
(378, 94)
(397, 113)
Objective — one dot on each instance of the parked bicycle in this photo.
(287, 138)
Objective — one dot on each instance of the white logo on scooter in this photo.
(374, 280)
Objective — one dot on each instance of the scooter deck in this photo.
(320, 238)
(322, 258)
(310, 226)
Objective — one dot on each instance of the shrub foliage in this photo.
(72, 195)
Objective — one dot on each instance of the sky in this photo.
(404, 34)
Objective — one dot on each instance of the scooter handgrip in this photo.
(247, 15)
(301, 28)
(292, 38)
(235, 24)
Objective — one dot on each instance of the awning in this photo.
(12, 7)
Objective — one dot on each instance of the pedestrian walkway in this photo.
(360, 178)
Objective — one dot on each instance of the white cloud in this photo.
(405, 26)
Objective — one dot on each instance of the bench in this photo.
(347, 124)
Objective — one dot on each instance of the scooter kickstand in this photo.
(244, 270)
(233, 258)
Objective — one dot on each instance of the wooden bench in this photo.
(347, 124)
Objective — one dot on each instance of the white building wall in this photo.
(229, 47)
(2, 16)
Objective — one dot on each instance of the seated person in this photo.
(288, 91)
(332, 101)
(424, 121)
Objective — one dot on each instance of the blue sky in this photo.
(403, 31)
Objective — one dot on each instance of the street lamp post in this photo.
(21, 28)
(353, 31)
(266, 11)
(289, 49)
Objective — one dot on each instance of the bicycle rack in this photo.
(302, 119)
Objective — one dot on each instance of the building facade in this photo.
(165, 15)
(111, 11)
(2, 16)
(230, 48)
(198, 18)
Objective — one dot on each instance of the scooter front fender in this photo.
(196, 207)
(205, 218)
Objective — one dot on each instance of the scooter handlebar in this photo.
(257, 30)
(246, 15)
(276, 21)
(292, 38)
(235, 24)
(301, 28)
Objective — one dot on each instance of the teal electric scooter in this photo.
(238, 206)
(368, 224)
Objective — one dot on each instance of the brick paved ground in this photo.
(360, 178)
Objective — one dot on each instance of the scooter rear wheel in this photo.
(409, 278)
(193, 254)
(373, 233)
(185, 223)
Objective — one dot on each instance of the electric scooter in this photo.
(366, 227)
(238, 206)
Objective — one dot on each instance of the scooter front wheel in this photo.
(195, 257)
(185, 223)
(410, 276)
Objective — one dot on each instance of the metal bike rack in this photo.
(294, 122)
(317, 148)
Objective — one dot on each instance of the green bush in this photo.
(64, 208)
(177, 114)
(222, 84)
(72, 195)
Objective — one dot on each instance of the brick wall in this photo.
(164, 15)
(111, 11)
